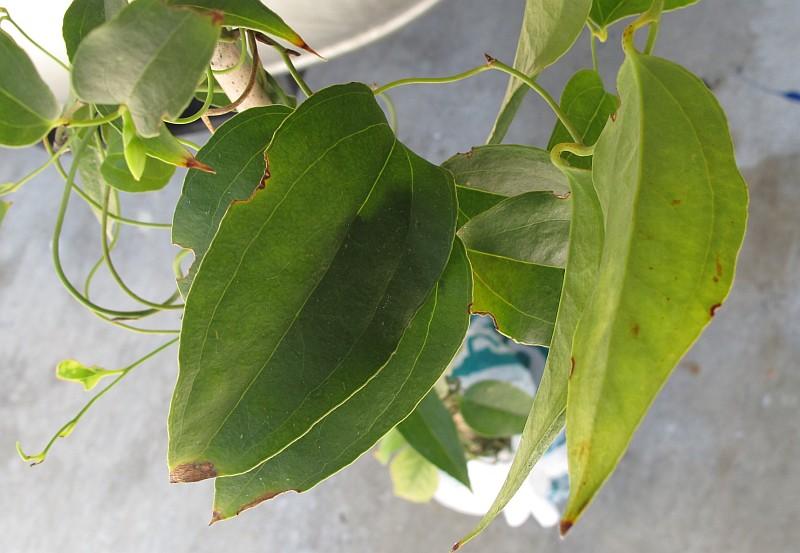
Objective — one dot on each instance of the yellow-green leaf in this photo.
(606, 12)
(675, 210)
(414, 478)
(75, 371)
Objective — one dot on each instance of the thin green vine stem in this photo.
(433, 80)
(593, 47)
(167, 305)
(77, 123)
(558, 150)
(13, 187)
(286, 56)
(56, 246)
(242, 56)
(4, 16)
(65, 430)
(206, 103)
(93, 203)
(651, 17)
(549, 100)
(496, 65)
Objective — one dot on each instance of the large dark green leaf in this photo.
(606, 12)
(249, 14)
(427, 347)
(548, 412)
(518, 250)
(236, 151)
(675, 210)
(28, 109)
(486, 175)
(149, 58)
(308, 286)
(84, 15)
(431, 431)
(495, 409)
(588, 106)
(549, 29)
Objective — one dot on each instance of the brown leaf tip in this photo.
(564, 527)
(456, 547)
(194, 163)
(490, 60)
(192, 472)
(216, 516)
(217, 17)
(713, 310)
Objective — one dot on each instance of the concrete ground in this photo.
(713, 468)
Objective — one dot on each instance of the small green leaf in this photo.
(236, 151)
(495, 409)
(165, 147)
(414, 478)
(426, 349)
(547, 415)
(588, 106)
(84, 15)
(149, 58)
(322, 271)
(431, 431)
(390, 444)
(549, 29)
(4, 207)
(133, 147)
(675, 211)
(606, 12)
(116, 173)
(518, 250)
(249, 14)
(28, 109)
(75, 371)
(488, 174)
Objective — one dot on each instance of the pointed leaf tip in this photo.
(564, 527)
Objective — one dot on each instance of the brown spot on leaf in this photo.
(713, 310)
(718, 268)
(564, 527)
(614, 117)
(676, 202)
(635, 329)
(484, 314)
(563, 195)
(571, 366)
(217, 17)
(192, 472)
(456, 546)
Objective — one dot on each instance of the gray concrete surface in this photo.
(713, 469)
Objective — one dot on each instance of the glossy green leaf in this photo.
(114, 169)
(606, 12)
(427, 347)
(236, 151)
(486, 175)
(414, 478)
(518, 250)
(548, 413)
(75, 371)
(249, 14)
(588, 106)
(549, 29)
(4, 207)
(675, 208)
(308, 286)
(431, 431)
(28, 109)
(149, 58)
(83, 16)
(495, 409)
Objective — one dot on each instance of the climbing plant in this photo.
(335, 270)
